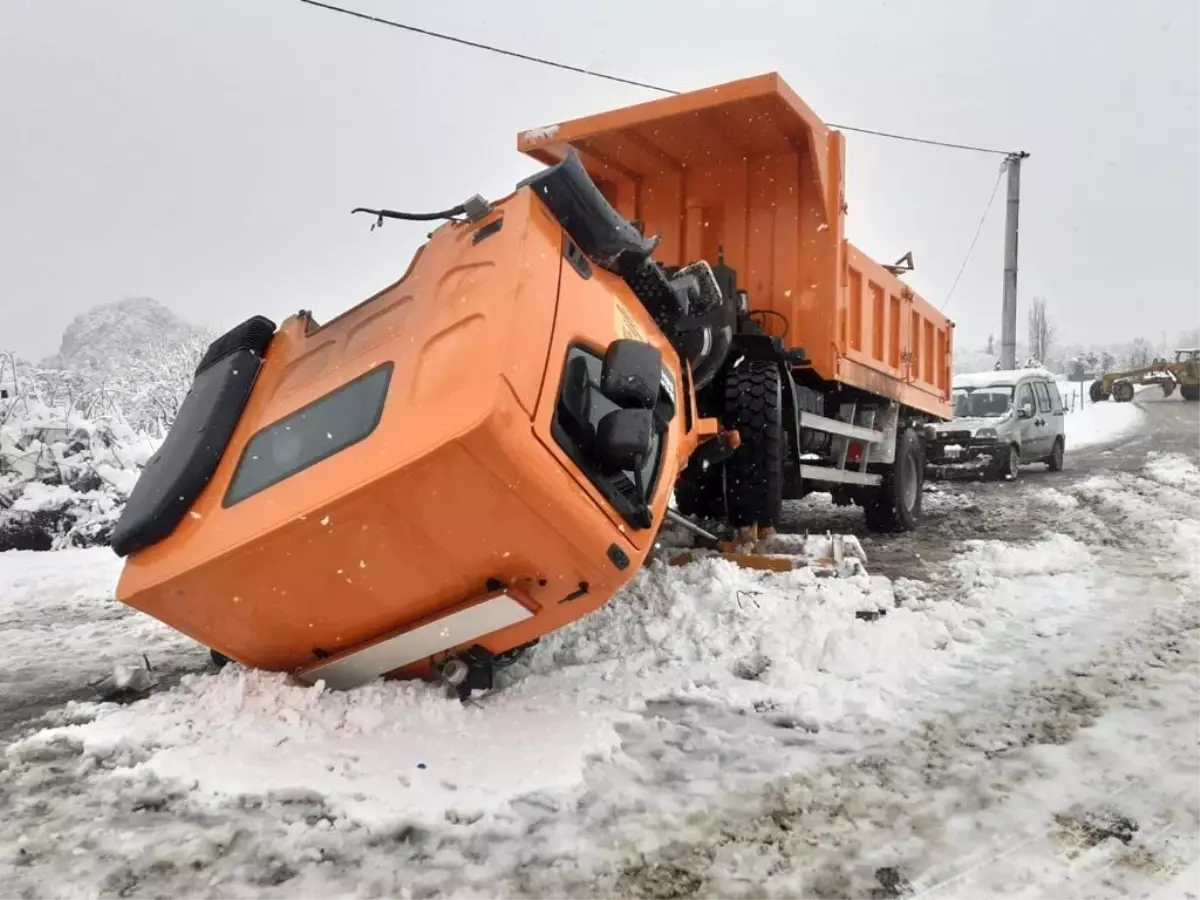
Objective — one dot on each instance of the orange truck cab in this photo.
(475, 456)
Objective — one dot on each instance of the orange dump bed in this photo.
(748, 168)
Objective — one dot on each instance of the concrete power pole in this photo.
(1008, 327)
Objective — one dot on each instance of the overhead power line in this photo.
(607, 77)
(978, 231)
(478, 46)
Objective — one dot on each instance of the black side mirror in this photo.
(623, 439)
(631, 374)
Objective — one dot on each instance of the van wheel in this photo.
(754, 473)
(1054, 462)
(701, 492)
(1010, 465)
(896, 504)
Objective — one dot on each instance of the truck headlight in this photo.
(985, 434)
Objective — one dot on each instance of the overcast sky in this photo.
(207, 152)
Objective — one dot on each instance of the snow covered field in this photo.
(1023, 723)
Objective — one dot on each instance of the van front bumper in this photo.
(961, 457)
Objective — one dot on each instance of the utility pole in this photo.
(1008, 326)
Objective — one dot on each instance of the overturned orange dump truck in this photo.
(486, 449)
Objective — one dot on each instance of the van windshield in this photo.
(985, 402)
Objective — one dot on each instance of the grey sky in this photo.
(207, 152)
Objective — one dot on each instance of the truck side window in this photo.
(581, 405)
(328, 425)
(1043, 396)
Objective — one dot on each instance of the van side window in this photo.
(1056, 402)
(1043, 395)
(1024, 396)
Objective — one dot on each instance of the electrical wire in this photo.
(607, 77)
(478, 46)
(978, 231)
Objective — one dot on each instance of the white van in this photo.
(1002, 420)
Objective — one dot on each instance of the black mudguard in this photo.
(184, 464)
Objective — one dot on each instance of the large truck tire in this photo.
(754, 473)
(701, 492)
(896, 504)
(1122, 391)
(1190, 391)
(1096, 392)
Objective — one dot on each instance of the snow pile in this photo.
(387, 751)
(1173, 470)
(1101, 423)
(1049, 576)
(791, 650)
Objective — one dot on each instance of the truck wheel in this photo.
(896, 504)
(1122, 391)
(1190, 392)
(1054, 462)
(1096, 392)
(754, 473)
(701, 492)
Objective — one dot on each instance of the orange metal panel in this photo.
(749, 169)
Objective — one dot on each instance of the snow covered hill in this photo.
(112, 336)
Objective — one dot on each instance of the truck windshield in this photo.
(985, 402)
(581, 406)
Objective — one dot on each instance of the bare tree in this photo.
(1140, 353)
(991, 348)
(1041, 332)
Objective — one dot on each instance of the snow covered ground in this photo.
(1100, 423)
(1021, 723)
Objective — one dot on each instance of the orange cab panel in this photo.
(403, 460)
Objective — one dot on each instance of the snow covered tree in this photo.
(991, 347)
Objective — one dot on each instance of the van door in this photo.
(1057, 420)
(1029, 426)
(1045, 418)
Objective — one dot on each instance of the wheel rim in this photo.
(909, 490)
(1014, 462)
